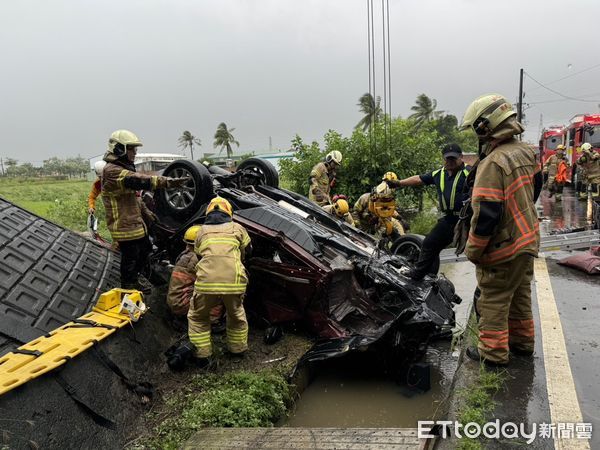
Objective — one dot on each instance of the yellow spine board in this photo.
(48, 352)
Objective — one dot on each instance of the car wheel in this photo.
(267, 174)
(183, 202)
(408, 246)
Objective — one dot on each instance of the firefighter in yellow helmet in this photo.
(590, 163)
(125, 212)
(555, 168)
(375, 213)
(504, 233)
(322, 177)
(340, 208)
(221, 246)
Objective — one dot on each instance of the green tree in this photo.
(186, 140)
(424, 110)
(11, 165)
(371, 109)
(295, 171)
(365, 160)
(224, 139)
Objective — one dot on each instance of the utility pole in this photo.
(2, 165)
(520, 104)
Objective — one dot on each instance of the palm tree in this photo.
(371, 110)
(224, 139)
(186, 140)
(424, 110)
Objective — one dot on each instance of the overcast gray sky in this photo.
(73, 71)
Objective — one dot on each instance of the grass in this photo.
(61, 201)
(477, 401)
(236, 399)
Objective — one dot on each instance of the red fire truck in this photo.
(582, 128)
(551, 138)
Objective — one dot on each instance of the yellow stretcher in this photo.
(114, 309)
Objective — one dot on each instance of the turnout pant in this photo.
(504, 306)
(199, 322)
(134, 256)
(438, 239)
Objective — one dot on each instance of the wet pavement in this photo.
(578, 300)
(562, 214)
(357, 400)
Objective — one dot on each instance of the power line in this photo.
(561, 94)
(571, 75)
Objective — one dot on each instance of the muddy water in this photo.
(561, 215)
(341, 396)
(347, 396)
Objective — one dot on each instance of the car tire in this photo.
(183, 203)
(408, 246)
(265, 169)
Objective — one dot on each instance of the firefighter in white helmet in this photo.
(590, 163)
(125, 212)
(375, 213)
(221, 246)
(96, 187)
(322, 178)
(340, 208)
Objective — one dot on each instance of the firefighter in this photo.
(183, 277)
(504, 233)
(125, 212)
(375, 213)
(361, 214)
(449, 181)
(322, 178)
(221, 246)
(340, 209)
(590, 163)
(96, 187)
(555, 169)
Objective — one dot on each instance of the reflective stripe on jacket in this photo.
(123, 210)
(439, 177)
(504, 223)
(220, 250)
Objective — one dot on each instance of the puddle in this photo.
(346, 395)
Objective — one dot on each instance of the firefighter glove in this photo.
(175, 183)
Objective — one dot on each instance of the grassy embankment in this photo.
(61, 201)
(239, 398)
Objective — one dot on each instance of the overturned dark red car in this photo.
(309, 268)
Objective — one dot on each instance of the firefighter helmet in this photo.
(382, 192)
(586, 147)
(190, 234)
(341, 207)
(120, 140)
(99, 167)
(334, 156)
(486, 113)
(390, 176)
(220, 204)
